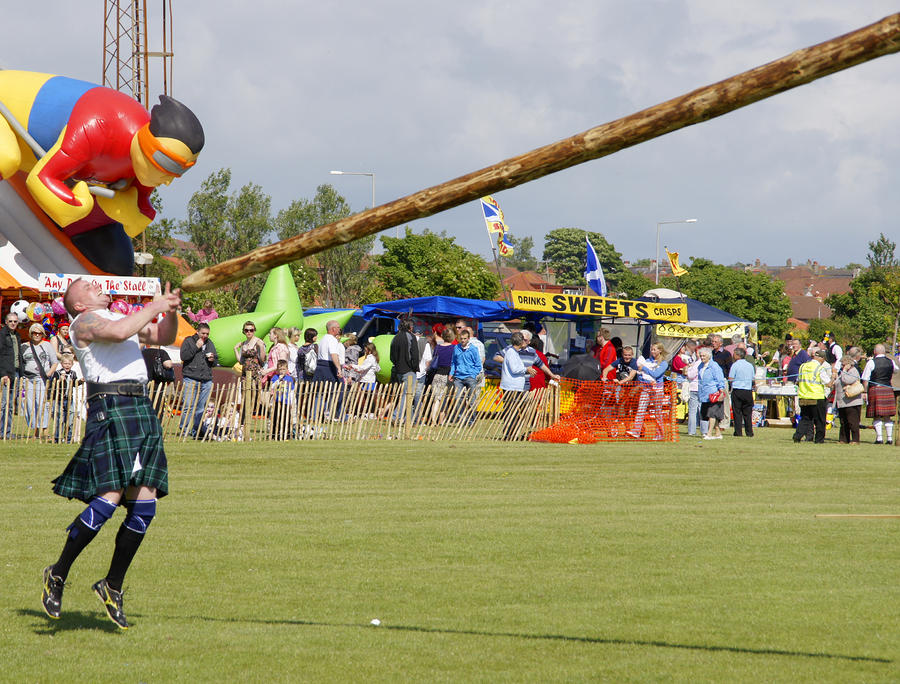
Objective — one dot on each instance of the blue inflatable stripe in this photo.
(52, 107)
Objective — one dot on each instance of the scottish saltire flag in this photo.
(493, 215)
(504, 244)
(593, 272)
(677, 269)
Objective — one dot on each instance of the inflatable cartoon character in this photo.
(92, 135)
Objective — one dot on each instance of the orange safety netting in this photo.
(603, 411)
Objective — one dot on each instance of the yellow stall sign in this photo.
(607, 307)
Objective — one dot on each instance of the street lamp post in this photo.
(662, 223)
(362, 173)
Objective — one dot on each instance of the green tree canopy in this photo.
(339, 274)
(522, 259)
(565, 251)
(630, 285)
(872, 306)
(843, 333)
(754, 296)
(433, 264)
(881, 253)
(224, 225)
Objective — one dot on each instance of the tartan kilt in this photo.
(118, 429)
(881, 402)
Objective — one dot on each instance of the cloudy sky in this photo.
(421, 93)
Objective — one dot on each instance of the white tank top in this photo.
(109, 361)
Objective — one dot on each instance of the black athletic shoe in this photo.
(51, 595)
(112, 601)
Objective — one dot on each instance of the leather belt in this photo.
(125, 388)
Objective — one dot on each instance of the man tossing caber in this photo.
(122, 452)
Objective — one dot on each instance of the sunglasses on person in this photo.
(163, 159)
(246, 330)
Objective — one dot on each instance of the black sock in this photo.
(78, 539)
(127, 543)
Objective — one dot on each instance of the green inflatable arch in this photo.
(383, 345)
(227, 332)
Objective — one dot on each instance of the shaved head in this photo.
(73, 296)
(83, 295)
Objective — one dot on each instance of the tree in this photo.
(755, 296)
(565, 251)
(223, 226)
(842, 332)
(881, 253)
(224, 301)
(433, 264)
(630, 285)
(872, 307)
(522, 258)
(338, 273)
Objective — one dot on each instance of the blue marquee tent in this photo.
(699, 314)
(476, 309)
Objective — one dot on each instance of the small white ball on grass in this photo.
(375, 622)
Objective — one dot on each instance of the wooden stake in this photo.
(798, 68)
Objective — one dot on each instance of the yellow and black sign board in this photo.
(598, 306)
(725, 330)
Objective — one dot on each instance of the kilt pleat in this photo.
(881, 402)
(120, 431)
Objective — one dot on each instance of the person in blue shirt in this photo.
(623, 371)
(465, 366)
(710, 380)
(530, 358)
(798, 358)
(742, 375)
(651, 374)
(513, 377)
(281, 392)
(626, 368)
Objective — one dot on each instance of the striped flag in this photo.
(493, 215)
(493, 219)
(504, 244)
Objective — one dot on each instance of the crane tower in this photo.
(126, 46)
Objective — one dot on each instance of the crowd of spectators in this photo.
(827, 381)
(715, 380)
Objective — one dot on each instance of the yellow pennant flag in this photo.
(677, 269)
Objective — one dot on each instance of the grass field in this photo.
(697, 561)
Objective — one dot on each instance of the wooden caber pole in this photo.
(800, 67)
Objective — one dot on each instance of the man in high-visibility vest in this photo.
(813, 385)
